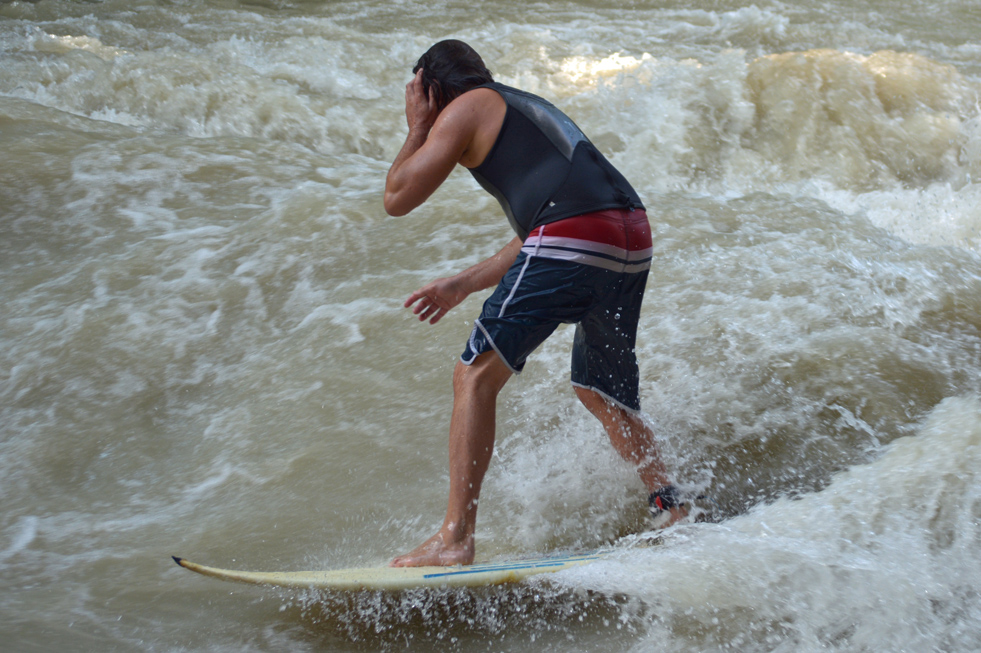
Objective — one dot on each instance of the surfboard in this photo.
(401, 578)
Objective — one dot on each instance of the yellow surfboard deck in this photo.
(392, 578)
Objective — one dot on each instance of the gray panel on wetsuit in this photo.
(557, 127)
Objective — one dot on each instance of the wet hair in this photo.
(451, 68)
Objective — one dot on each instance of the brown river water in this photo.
(204, 353)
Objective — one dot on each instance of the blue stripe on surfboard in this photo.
(532, 564)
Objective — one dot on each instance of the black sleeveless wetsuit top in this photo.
(542, 168)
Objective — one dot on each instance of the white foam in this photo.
(24, 532)
(55, 44)
(885, 557)
(937, 215)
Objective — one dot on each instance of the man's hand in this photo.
(436, 298)
(437, 141)
(420, 107)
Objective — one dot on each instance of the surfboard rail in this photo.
(400, 578)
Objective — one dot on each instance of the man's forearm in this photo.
(489, 272)
(395, 182)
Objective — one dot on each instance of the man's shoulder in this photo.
(476, 104)
(479, 113)
(480, 95)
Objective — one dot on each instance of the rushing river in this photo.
(204, 353)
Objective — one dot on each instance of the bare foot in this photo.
(437, 552)
(669, 517)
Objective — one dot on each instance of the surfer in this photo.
(581, 255)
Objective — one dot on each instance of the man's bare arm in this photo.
(437, 297)
(435, 143)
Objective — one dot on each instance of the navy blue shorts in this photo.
(548, 285)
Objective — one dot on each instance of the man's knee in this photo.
(593, 401)
(487, 373)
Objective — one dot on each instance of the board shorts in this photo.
(589, 270)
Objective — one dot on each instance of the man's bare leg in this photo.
(634, 441)
(472, 427)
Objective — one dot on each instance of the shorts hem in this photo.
(490, 341)
(619, 404)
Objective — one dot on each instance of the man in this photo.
(581, 256)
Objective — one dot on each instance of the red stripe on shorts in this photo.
(621, 228)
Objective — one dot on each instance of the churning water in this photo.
(203, 350)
